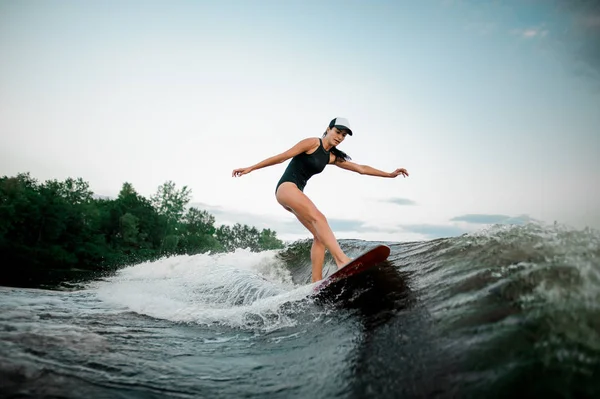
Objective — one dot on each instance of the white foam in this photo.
(238, 289)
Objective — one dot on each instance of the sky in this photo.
(493, 107)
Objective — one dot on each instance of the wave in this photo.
(238, 289)
(482, 312)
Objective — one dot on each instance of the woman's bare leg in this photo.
(317, 253)
(291, 198)
(317, 258)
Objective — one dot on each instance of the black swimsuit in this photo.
(304, 166)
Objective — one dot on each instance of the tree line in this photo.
(62, 225)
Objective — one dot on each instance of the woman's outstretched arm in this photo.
(302, 146)
(368, 170)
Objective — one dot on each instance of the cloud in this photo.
(281, 225)
(581, 36)
(347, 225)
(290, 227)
(491, 219)
(530, 33)
(400, 201)
(480, 218)
(432, 231)
(571, 27)
(353, 225)
(286, 226)
(590, 21)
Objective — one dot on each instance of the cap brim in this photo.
(341, 127)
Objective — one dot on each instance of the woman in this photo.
(309, 157)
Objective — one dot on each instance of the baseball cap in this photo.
(342, 124)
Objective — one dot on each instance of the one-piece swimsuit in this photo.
(304, 166)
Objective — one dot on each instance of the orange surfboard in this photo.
(364, 261)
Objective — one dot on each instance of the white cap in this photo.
(342, 124)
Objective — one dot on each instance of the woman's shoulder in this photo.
(311, 142)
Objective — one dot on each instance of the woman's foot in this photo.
(344, 261)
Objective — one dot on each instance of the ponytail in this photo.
(340, 156)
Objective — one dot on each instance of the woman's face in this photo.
(336, 135)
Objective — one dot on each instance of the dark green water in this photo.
(511, 312)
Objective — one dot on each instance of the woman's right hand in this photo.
(240, 172)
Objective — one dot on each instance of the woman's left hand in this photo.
(399, 172)
(241, 172)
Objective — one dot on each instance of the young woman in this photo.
(309, 157)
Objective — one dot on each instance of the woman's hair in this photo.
(339, 155)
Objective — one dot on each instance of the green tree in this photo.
(198, 232)
(171, 203)
(59, 225)
(152, 227)
(224, 235)
(74, 191)
(199, 222)
(20, 214)
(129, 229)
(239, 236)
(170, 244)
(268, 240)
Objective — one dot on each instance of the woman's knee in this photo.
(317, 242)
(314, 216)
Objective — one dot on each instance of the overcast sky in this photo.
(492, 106)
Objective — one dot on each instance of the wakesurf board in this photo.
(362, 262)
